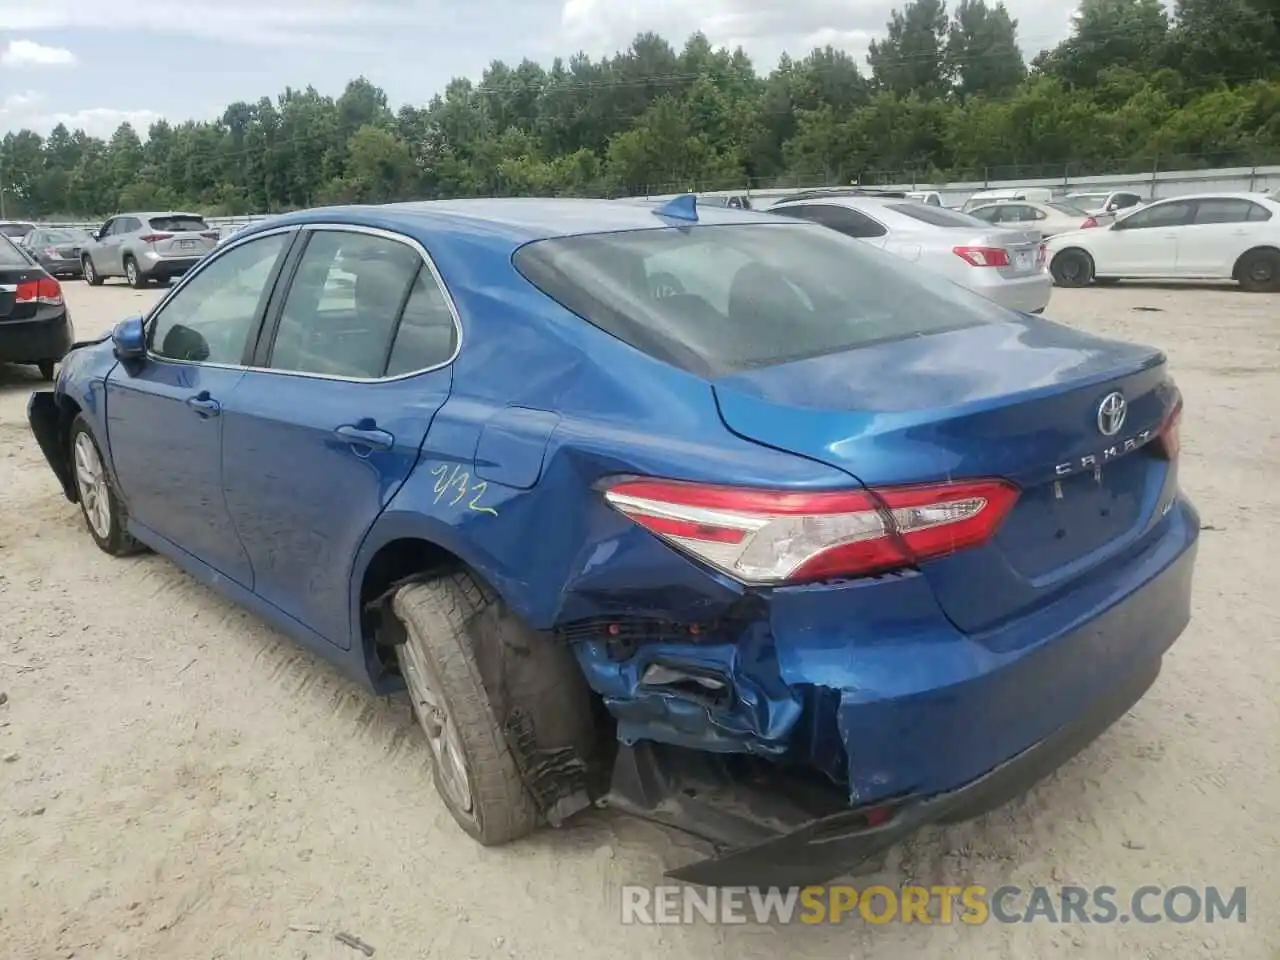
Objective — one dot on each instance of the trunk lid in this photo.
(1017, 400)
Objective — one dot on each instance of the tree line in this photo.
(947, 96)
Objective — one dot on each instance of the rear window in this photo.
(179, 224)
(1067, 208)
(937, 216)
(16, 229)
(11, 256)
(64, 236)
(714, 300)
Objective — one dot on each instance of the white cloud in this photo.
(24, 111)
(765, 28)
(251, 22)
(28, 53)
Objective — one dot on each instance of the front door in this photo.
(317, 444)
(1145, 244)
(164, 413)
(1221, 230)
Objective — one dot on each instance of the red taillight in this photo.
(153, 237)
(52, 253)
(1090, 222)
(45, 290)
(1168, 441)
(983, 256)
(772, 537)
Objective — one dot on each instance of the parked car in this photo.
(1049, 217)
(35, 324)
(58, 249)
(932, 197)
(1002, 264)
(145, 247)
(1219, 236)
(984, 197)
(16, 230)
(1100, 202)
(655, 505)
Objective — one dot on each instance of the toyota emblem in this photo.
(1111, 413)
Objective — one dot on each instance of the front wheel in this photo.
(91, 275)
(133, 274)
(1072, 268)
(457, 635)
(99, 502)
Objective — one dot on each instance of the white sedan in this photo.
(1211, 236)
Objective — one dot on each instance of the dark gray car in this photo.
(142, 247)
(58, 249)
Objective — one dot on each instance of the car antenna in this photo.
(683, 207)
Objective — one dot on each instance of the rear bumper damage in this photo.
(768, 842)
(854, 715)
(44, 416)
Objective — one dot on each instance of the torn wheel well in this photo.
(395, 563)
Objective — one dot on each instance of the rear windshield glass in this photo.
(178, 224)
(16, 229)
(64, 236)
(937, 216)
(1087, 197)
(11, 256)
(1067, 208)
(713, 300)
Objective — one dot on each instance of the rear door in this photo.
(320, 436)
(1221, 229)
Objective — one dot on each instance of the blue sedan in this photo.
(723, 519)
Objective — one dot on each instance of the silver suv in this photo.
(146, 246)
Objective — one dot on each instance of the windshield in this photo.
(937, 216)
(713, 300)
(179, 223)
(1068, 208)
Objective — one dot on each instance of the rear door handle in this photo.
(204, 405)
(365, 437)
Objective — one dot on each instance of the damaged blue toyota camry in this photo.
(721, 519)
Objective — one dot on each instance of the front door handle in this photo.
(370, 437)
(204, 405)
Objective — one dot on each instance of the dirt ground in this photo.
(179, 781)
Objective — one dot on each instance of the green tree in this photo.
(910, 59)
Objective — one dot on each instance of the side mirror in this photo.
(129, 339)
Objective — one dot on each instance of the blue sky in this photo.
(94, 65)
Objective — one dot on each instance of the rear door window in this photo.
(717, 299)
(939, 216)
(852, 223)
(1222, 210)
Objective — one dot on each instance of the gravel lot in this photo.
(182, 782)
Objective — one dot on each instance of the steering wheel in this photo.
(663, 285)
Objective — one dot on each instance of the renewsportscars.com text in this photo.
(939, 904)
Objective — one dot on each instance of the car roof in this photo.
(516, 220)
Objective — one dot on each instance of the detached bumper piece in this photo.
(44, 417)
(776, 839)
